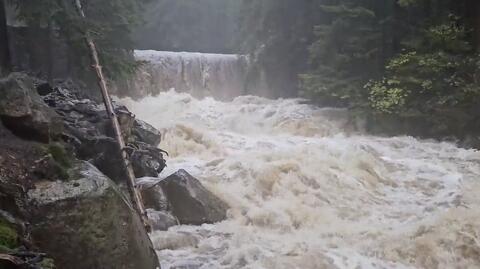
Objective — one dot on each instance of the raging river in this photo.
(306, 190)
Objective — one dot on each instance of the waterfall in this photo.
(200, 74)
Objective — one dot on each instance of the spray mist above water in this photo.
(307, 193)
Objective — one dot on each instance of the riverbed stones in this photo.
(191, 203)
(87, 222)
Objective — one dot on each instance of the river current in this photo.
(308, 191)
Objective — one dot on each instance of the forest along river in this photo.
(305, 192)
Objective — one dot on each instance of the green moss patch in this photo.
(60, 155)
(8, 236)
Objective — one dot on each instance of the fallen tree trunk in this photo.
(134, 192)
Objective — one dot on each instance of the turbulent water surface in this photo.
(305, 192)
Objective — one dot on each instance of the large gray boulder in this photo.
(191, 203)
(146, 133)
(23, 111)
(88, 223)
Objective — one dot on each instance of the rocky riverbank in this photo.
(63, 198)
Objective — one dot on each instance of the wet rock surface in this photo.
(92, 216)
(60, 205)
(191, 203)
(153, 195)
(89, 130)
(23, 111)
(146, 133)
(161, 220)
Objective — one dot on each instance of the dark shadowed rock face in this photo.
(146, 133)
(89, 130)
(147, 161)
(153, 195)
(88, 223)
(191, 202)
(23, 111)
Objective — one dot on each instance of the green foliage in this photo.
(386, 95)
(386, 56)
(8, 236)
(60, 155)
(437, 73)
(343, 56)
(110, 23)
(47, 263)
(62, 160)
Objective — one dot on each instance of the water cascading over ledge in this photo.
(200, 74)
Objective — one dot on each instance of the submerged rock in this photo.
(88, 223)
(161, 220)
(23, 111)
(191, 202)
(153, 195)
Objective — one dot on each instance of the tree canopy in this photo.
(386, 56)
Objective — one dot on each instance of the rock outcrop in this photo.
(88, 130)
(190, 202)
(146, 133)
(87, 222)
(50, 180)
(23, 111)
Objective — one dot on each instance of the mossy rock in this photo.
(57, 163)
(47, 264)
(92, 214)
(60, 155)
(8, 236)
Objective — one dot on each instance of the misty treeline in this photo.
(42, 24)
(386, 56)
(190, 25)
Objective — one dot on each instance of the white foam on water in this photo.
(307, 192)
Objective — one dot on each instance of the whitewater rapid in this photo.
(307, 191)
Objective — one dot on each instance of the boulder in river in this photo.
(146, 133)
(147, 161)
(161, 220)
(191, 202)
(87, 222)
(152, 194)
(23, 111)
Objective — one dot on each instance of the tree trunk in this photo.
(134, 191)
(473, 17)
(5, 65)
(50, 52)
(476, 25)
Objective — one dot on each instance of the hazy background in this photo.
(189, 25)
